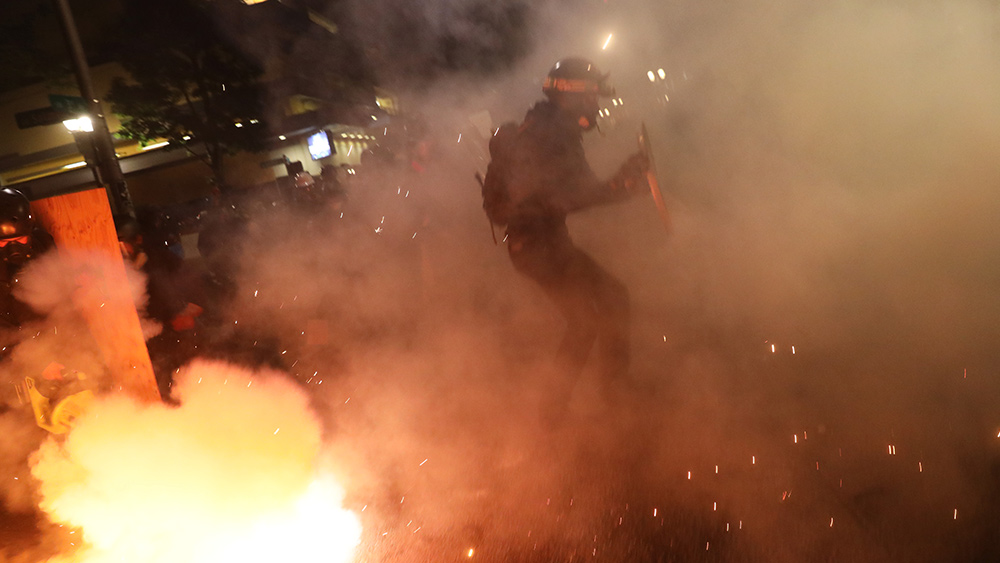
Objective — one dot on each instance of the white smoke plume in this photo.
(230, 474)
(57, 338)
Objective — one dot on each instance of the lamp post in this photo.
(108, 172)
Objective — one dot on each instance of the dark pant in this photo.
(593, 302)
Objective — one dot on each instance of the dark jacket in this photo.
(550, 177)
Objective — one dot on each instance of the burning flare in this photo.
(229, 475)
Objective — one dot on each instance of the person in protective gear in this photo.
(547, 179)
(21, 240)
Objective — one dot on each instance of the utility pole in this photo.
(109, 171)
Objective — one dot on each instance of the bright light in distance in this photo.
(281, 137)
(652, 77)
(73, 165)
(155, 146)
(79, 124)
(607, 41)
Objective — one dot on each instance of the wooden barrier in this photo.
(82, 222)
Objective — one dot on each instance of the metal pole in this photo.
(118, 196)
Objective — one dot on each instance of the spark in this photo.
(831, 521)
(689, 475)
(920, 467)
(422, 462)
(459, 138)
(607, 41)
(276, 430)
(654, 510)
(956, 514)
(652, 77)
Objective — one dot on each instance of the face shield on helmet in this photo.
(576, 85)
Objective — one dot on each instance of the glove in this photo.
(631, 176)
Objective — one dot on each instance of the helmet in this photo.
(304, 180)
(577, 75)
(15, 214)
(16, 227)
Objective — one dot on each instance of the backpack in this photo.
(496, 197)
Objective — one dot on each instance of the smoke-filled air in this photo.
(814, 367)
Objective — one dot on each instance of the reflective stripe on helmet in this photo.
(570, 85)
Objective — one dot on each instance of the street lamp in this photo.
(79, 124)
(107, 169)
(82, 129)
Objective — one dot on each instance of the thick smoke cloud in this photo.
(830, 172)
(228, 475)
(814, 340)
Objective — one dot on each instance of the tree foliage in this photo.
(187, 83)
